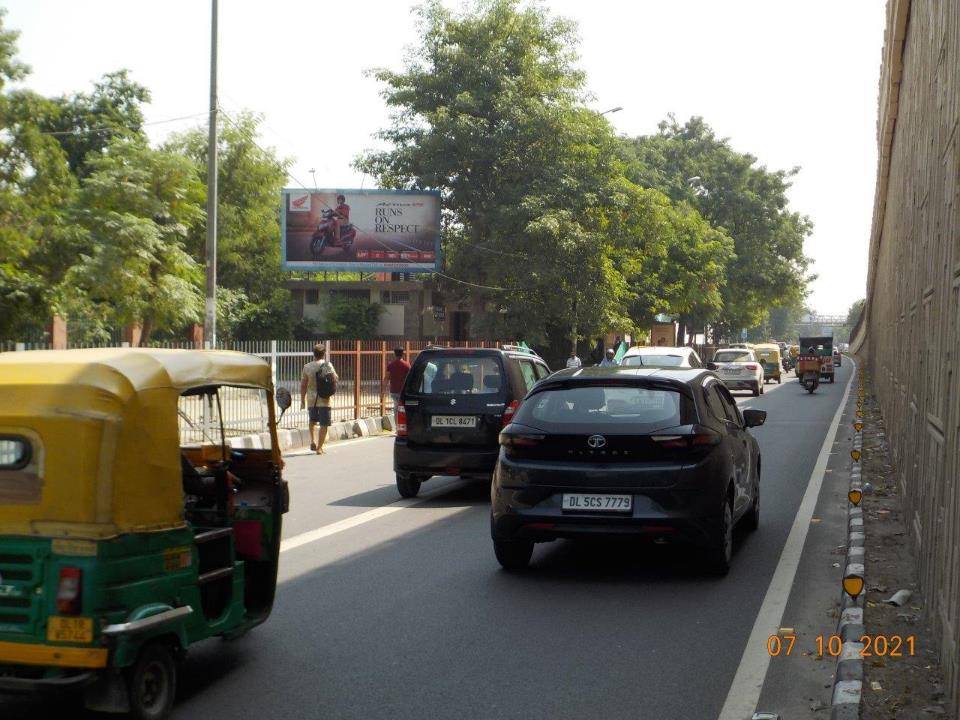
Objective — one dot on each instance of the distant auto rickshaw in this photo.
(808, 369)
(129, 526)
(769, 356)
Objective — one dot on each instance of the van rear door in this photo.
(455, 399)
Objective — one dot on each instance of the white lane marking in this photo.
(748, 682)
(355, 520)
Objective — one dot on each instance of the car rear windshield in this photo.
(457, 375)
(631, 409)
(732, 356)
(654, 360)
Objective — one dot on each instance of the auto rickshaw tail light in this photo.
(401, 421)
(69, 591)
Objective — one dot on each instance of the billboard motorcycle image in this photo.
(368, 230)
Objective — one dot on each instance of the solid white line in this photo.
(748, 682)
(355, 520)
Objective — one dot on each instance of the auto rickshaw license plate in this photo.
(70, 629)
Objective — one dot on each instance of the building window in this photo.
(396, 297)
(351, 294)
(311, 297)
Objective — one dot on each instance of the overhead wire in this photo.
(115, 128)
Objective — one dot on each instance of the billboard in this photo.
(366, 230)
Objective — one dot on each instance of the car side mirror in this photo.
(754, 418)
(711, 366)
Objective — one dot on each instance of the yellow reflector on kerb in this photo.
(855, 454)
(858, 426)
(855, 496)
(853, 585)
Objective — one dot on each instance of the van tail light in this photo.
(401, 421)
(510, 411)
(69, 594)
(700, 437)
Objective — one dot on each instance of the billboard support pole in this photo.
(210, 306)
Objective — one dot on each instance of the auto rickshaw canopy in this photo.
(103, 426)
(768, 351)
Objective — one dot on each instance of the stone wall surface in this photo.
(910, 332)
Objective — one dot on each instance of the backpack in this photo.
(326, 382)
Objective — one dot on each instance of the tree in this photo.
(35, 188)
(746, 201)
(539, 222)
(351, 318)
(250, 179)
(855, 311)
(136, 208)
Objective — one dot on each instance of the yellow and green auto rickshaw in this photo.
(769, 356)
(130, 527)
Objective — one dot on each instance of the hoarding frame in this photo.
(356, 266)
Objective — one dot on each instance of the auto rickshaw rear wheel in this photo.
(152, 682)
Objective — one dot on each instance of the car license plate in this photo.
(598, 503)
(729, 371)
(454, 421)
(70, 629)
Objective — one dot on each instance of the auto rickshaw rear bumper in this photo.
(16, 653)
(14, 685)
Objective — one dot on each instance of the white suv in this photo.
(739, 369)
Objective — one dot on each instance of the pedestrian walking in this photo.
(573, 361)
(610, 360)
(396, 374)
(318, 384)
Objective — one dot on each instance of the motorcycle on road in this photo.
(325, 236)
(808, 371)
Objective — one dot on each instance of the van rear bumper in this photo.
(17, 653)
(409, 459)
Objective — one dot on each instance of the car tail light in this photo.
(401, 421)
(751, 366)
(510, 412)
(700, 437)
(69, 591)
(516, 440)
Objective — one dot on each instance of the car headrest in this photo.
(491, 382)
(590, 399)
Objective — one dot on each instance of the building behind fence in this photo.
(910, 331)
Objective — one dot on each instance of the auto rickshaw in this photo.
(769, 356)
(129, 527)
(808, 367)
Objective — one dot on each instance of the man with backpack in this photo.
(318, 384)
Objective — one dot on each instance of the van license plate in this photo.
(598, 503)
(70, 629)
(454, 421)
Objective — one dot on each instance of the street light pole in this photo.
(210, 314)
(612, 110)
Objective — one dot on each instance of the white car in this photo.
(661, 356)
(739, 369)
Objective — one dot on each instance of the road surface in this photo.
(398, 609)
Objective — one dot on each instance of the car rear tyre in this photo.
(778, 379)
(408, 486)
(152, 683)
(756, 389)
(513, 554)
(721, 551)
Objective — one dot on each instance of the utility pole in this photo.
(210, 314)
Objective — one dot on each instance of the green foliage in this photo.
(136, 207)
(747, 202)
(349, 318)
(855, 311)
(248, 227)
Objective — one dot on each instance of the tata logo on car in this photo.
(596, 441)
(299, 202)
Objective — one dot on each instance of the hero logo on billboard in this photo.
(299, 202)
(361, 230)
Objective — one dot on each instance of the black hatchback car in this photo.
(626, 451)
(453, 405)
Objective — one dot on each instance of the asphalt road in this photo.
(392, 609)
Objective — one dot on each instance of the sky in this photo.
(792, 83)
